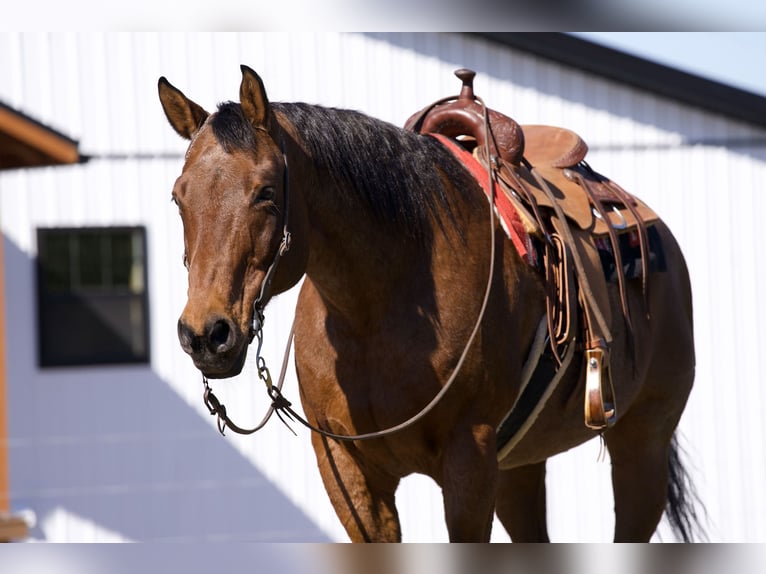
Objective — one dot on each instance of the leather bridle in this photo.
(256, 329)
(284, 246)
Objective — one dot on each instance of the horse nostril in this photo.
(190, 342)
(221, 337)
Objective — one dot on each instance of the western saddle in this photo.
(566, 206)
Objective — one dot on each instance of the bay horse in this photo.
(391, 233)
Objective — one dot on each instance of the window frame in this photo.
(46, 297)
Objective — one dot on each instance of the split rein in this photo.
(280, 404)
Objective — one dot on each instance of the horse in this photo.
(390, 234)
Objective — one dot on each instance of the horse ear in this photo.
(185, 116)
(252, 96)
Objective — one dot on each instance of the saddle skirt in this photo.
(567, 191)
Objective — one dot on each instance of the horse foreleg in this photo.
(362, 499)
(469, 484)
(521, 503)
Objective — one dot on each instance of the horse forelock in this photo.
(232, 129)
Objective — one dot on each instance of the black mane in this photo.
(392, 171)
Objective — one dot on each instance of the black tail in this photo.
(683, 505)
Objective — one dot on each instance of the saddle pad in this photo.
(507, 213)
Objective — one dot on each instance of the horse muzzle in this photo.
(218, 350)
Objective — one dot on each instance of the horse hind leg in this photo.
(643, 452)
(640, 485)
(521, 503)
(363, 501)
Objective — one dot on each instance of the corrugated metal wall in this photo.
(131, 453)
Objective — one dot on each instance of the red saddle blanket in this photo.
(505, 210)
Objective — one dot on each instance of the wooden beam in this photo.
(27, 133)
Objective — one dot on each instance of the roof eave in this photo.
(638, 73)
(24, 142)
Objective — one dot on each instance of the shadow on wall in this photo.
(119, 450)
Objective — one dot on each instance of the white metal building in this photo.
(104, 452)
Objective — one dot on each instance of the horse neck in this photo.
(356, 265)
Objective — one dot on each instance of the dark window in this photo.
(91, 292)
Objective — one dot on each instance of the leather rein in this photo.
(280, 404)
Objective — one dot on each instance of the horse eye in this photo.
(266, 193)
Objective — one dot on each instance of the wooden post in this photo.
(11, 527)
(4, 486)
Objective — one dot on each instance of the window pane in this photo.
(122, 259)
(93, 330)
(56, 267)
(90, 259)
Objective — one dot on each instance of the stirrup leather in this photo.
(600, 410)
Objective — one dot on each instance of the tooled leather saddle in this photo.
(573, 213)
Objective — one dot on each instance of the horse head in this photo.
(231, 196)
